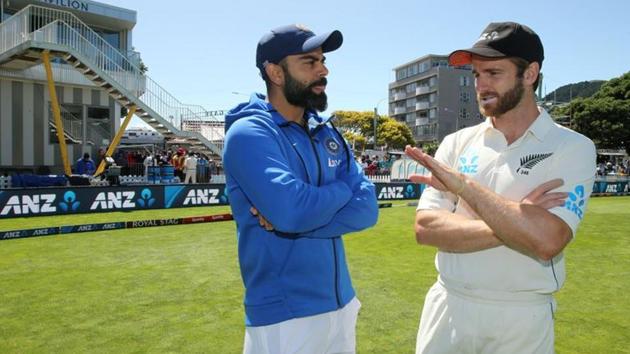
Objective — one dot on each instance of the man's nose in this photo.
(323, 71)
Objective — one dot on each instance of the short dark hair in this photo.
(521, 66)
(283, 64)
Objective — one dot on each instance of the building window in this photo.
(424, 66)
(432, 97)
(463, 113)
(414, 69)
(425, 129)
(464, 81)
(464, 97)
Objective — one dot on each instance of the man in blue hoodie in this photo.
(294, 190)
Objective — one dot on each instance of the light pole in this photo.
(376, 118)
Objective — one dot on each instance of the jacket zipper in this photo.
(319, 182)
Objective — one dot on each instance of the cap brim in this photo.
(328, 42)
(464, 56)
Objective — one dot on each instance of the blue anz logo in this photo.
(410, 192)
(224, 198)
(576, 201)
(69, 202)
(469, 163)
(146, 199)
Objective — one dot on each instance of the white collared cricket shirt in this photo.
(546, 151)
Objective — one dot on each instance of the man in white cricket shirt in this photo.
(505, 198)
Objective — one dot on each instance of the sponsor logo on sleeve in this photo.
(576, 201)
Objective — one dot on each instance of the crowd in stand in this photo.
(374, 165)
(187, 166)
(620, 168)
(190, 165)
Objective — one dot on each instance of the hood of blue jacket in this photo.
(258, 106)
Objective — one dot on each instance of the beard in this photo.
(505, 102)
(301, 95)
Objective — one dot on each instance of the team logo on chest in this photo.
(469, 162)
(332, 146)
(528, 162)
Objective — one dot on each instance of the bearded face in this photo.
(302, 95)
(494, 104)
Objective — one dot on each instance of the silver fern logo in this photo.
(528, 162)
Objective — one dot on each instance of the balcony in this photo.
(422, 121)
(400, 110)
(399, 96)
(422, 105)
(422, 90)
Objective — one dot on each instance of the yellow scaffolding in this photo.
(56, 113)
(116, 141)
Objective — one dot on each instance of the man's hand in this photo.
(442, 178)
(541, 196)
(261, 219)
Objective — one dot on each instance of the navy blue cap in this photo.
(291, 40)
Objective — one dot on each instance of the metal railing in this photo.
(52, 26)
(72, 125)
(204, 173)
(96, 133)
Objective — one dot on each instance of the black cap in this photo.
(291, 40)
(500, 40)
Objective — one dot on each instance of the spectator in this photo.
(148, 161)
(85, 165)
(178, 162)
(190, 168)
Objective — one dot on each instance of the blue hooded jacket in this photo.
(305, 182)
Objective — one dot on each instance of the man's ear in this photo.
(275, 73)
(531, 73)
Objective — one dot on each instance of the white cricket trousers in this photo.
(189, 174)
(454, 323)
(326, 333)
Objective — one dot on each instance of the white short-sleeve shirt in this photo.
(546, 151)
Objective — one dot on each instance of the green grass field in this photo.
(178, 289)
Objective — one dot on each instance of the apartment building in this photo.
(433, 98)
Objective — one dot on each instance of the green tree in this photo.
(430, 148)
(390, 133)
(361, 123)
(357, 141)
(394, 134)
(604, 117)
